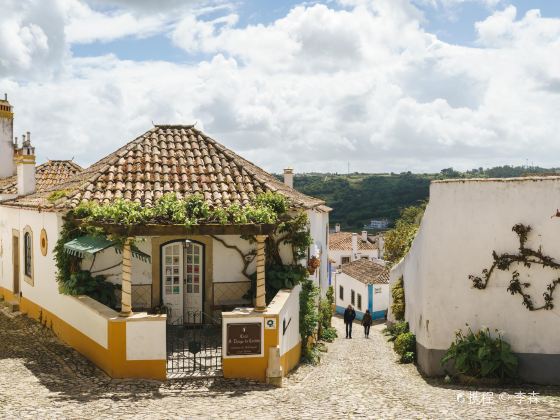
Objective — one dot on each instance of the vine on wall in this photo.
(527, 257)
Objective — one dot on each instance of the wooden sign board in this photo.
(244, 339)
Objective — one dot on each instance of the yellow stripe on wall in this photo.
(111, 360)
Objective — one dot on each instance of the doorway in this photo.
(183, 281)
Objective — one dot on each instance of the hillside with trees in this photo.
(358, 198)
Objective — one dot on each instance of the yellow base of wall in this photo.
(112, 360)
(291, 358)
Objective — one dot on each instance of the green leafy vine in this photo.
(527, 257)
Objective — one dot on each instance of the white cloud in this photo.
(314, 89)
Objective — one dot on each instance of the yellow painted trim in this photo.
(291, 358)
(112, 360)
(8, 295)
(6, 114)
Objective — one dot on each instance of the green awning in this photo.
(91, 245)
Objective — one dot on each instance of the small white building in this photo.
(345, 247)
(364, 284)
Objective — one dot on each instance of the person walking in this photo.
(349, 316)
(366, 323)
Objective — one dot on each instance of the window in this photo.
(345, 260)
(378, 290)
(28, 255)
(352, 297)
(341, 293)
(359, 301)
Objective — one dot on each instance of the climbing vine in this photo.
(170, 209)
(527, 257)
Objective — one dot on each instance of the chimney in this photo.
(364, 235)
(25, 163)
(354, 246)
(7, 167)
(337, 228)
(289, 177)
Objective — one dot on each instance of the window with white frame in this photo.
(359, 301)
(352, 297)
(341, 292)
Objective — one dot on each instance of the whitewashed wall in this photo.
(145, 339)
(81, 314)
(464, 222)
(290, 314)
(318, 228)
(349, 284)
(380, 300)
(141, 271)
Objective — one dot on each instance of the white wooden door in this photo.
(193, 283)
(172, 290)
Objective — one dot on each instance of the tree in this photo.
(399, 239)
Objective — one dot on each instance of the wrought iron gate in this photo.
(194, 346)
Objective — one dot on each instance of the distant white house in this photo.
(345, 247)
(378, 224)
(363, 284)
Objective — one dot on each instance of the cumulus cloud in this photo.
(313, 89)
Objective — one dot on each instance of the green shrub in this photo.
(396, 329)
(480, 355)
(398, 304)
(405, 343)
(328, 334)
(308, 317)
(408, 357)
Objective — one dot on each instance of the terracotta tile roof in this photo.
(342, 241)
(47, 175)
(169, 158)
(366, 271)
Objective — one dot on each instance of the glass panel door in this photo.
(193, 282)
(172, 288)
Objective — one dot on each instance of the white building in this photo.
(345, 247)
(197, 269)
(464, 223)
(364, 284)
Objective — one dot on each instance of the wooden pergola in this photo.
(260, 231)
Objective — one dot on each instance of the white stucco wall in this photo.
(319, 228)
(145, 339)
(289, 314)
(464, 222)
(380, 300)
(349, 284)
(44, 291)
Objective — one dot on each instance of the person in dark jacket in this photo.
(366, 322)
(349, 316)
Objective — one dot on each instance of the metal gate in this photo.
(194, 346)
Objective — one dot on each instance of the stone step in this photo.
(13, 306)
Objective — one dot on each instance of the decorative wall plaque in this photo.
(244, 339)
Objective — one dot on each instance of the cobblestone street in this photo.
(42, 378)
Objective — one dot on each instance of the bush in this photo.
(396, 329)
(481, 356)
(328, 334)
(408, 357)
(398, 305)
(405, 344)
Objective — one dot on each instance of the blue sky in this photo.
(455, 24)
(387, 85)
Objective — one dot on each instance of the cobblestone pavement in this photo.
(42, 378)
